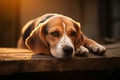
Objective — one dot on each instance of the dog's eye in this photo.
(73, 33)
(55, 34)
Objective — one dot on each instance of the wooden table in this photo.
(13, 60)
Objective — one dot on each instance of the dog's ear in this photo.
(79, 35)
(37, 41)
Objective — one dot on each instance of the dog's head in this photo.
(59, 35)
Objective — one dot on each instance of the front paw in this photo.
(82, 51)
(97, 49)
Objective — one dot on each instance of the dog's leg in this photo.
(94, 46)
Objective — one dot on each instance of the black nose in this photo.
(68, 50)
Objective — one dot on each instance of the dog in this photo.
(57, 35)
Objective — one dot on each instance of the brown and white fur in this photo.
(57, 35)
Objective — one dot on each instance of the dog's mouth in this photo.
(64, 56)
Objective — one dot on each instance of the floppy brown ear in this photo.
(79, 35)
(37, 42)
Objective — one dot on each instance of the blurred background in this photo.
(100, 19)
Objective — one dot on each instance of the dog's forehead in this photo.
(60, 22)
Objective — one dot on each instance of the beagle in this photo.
(57, 35)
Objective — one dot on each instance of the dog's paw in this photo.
(97, 49)
(82, 51)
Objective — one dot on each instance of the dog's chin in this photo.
(62, 57)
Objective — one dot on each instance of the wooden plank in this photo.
(7, 54)
(14, 60)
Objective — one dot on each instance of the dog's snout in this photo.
(68, 50)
